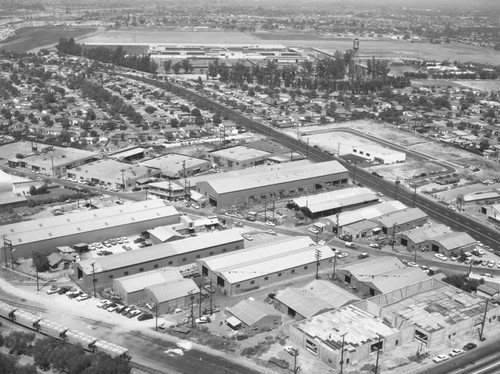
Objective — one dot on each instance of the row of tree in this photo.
(49, 353)
(117, 56)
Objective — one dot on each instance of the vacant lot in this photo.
(395, 48)
(29, 38)
(166, 36)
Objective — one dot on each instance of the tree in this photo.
(167, 65)
(196, 112)
(32, 190)
(40, 262)
(176, 67)
(187, 66)
(150, 109)
(216, 119)
(19, 342)
(484, 144)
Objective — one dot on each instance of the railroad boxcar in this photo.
(51, 329)
(7, 311)
(113, 350)
(26, 319)
(78, 338)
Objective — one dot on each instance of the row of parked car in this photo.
(124, 310)
(455, 352)
(71, 292)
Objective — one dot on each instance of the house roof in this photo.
(251, 311)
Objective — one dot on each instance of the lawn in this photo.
(28, 38)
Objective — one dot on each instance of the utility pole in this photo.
(393, 235)
(342, 354)
(414, 195)
(211, 307)
(156, 317)
(93, 275)
(338, 150)
(396, 190)
(123, 178)
(338, 222)
(37, 285)
(318, 257)
(378, 354)
(307, 148)
(354, 173)
(191, 298)
(265, 208)
(295, 367)
(199, 304)
(484, 320)
(334, 276)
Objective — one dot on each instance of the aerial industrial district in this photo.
(249, 248)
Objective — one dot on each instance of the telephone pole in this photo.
(342, 354)
(93, 275)
(318, 257)
(484, 320)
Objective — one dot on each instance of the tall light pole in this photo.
(378, 353)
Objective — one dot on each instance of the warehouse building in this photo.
(379, 275)
(341, 222)
(314, 298)
(249, 186)
(51, 160)
(433, 313)
(46, 234)
(178, 253)
(416, 239)
(175, 166)
(238, 157)
(130, 154)
(333, 202)
(379, 154)
(252, 316)
(169, 190)
(171, 295)
(113, 174)
(402, 220)
(452, 244)
(265, 265)
(348, 333)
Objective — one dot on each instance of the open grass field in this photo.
(166, 36)
(29, 38)
(395, 48)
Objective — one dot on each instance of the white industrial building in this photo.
(46, 234)
(379, 154)
(174, 254)
(265, 265)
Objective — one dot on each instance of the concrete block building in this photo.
(239, 157)
(252, 317)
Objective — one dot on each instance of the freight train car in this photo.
(60, 332)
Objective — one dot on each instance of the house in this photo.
(58, 261)
(252, 316)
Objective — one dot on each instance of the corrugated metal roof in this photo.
(345, 202)
(371, 212)
(252, 311)
(83, 216)
(268, 175)
(160, 251)
(402, 217)
(396, 279)
(376, 266)
(174, 289)
(455, 240)
(137, 282)
(91, 225)
(310, 200)
(421, 234)
(240, 153)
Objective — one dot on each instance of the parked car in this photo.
(270, 223)
(455, 352)
(145, 316)
(374, 245)
(53, 290)
(120, 308)
(350, 245)
(469, 346)
(341, 255)
(64, 290)
(74, 294)
(363, 255)
(247, 237)
(271, 232)
(83, 297)
(440, 358)
(202, 319)
(412, 264)
(104, 304)
(441, 257)
(133, 313)
(291, 350)
(112, 307)
(313, 230)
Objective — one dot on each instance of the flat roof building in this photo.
(265, 265)
(379, 275)
(270, 181)
(252, 316)
(95, 225)
(131, 287)
(379, 154)
(52, 160)
(433, 312)
(174, 165)
(174, 254)
(332, 202)
(345, 219)
(168, 296)
(239, 157)
(314, 298)
(349, 332)
(402, 220)
(112, 173)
